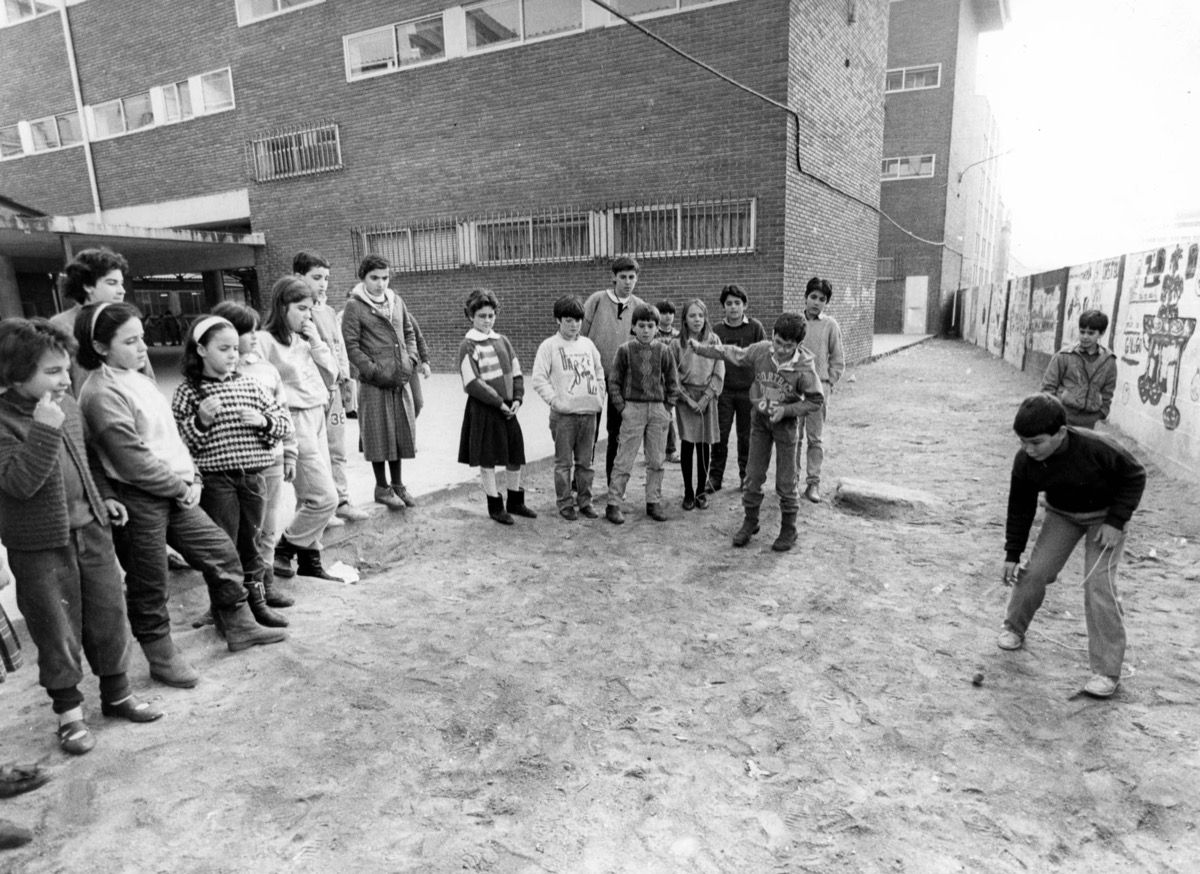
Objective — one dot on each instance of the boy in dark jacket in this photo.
(1085, 377)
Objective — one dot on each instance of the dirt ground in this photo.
(586, 699)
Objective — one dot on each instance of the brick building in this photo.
(512, 144)
(940, 173)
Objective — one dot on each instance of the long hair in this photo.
(99, 323)
(685, 333)
(285, 292)
(192, 363)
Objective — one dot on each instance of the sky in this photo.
(1099, 101)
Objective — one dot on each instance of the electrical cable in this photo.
(791, 112)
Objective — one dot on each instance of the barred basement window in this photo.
(295, 153)
(431, 247)
(525, 240)
(707, 228)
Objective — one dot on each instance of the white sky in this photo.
(1100, 102)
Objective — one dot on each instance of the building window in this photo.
(911, 167)
(117, 117)
(205, 94)
(249, 11)
(913, 78)
(718, 227)
(55, 132)
(431, 247)
(16, 11)
(885, 268)
(634, 8)
(216, 90)
(177, 102)
(10, 142)
(532, 239)
(398, 45)
(299, 152)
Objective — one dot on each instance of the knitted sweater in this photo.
(33, 496)
(792, 385)
(569, 375)
(489, 368)
(643, 372)
(739, 379)
(135, 433)
(1087, 474)
(1083, 383)
(228, 443)
(823, 338)
(608, 322)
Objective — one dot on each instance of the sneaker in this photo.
(589, 512)
(1100, 686)
(568, 513)
(1009, 639)
(351, 513)
(335, 521)
(813, 493)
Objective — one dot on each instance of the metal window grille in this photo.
(655, 230)
(295, 152)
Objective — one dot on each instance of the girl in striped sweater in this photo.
(491, 434)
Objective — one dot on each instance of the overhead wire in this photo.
(778, 105)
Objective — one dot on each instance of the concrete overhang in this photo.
(42, 245)
(991, 14)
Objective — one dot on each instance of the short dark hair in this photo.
(98, 323)
(478, 299)
(286, 291)
(87, 268)
(790, 327)
(306, 261)
(821, 285)
(243, 318)
(734, 290)
(372, 262)
(664, 307)
(1093, 320)
(569, 306)
(23, 342)
(625, 262)
(643, 312)
(1039, 414)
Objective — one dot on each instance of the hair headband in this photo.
(206, 324)
(95, 315)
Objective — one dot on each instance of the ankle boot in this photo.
(749, 527)
(285, 551)
(241, 631)
(516, 504)
(496, 510)
(787, 533)
(275, 597)
(263, 615)
(309, 565)
(167, 664)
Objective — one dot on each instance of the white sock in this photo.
(75, 714)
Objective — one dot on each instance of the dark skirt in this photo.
(488, 438)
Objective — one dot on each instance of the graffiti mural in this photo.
(1091, 286)
(1158, 311)
(997, 302)
(1016, 329)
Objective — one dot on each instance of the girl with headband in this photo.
(290, 341)
(154, 477)
(232, 427)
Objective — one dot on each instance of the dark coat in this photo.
(386, 416)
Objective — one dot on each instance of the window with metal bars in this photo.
(297, 152)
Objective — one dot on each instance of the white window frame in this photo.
(678, 208)
(677, 7)
(243, 21)
(904, 71)
(474, 251)
(22, 141)
(910, 158)
(158, 104)
(394, 66)
(522, 37)
(7, 21)
(55, 119)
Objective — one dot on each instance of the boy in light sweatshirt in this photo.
(568, 374)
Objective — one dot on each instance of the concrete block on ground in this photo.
(884, 500)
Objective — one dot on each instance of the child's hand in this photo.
(208, 410)
(48, 412)
(253, 418)
(1109, 537)
(117, 514)
(1009, 574)
(777, 415)
(192, 498)
(506, 410)
(289, 471)
(309, 331)
(702, 403)
(514, 406)
(693, 343)
(426, 371)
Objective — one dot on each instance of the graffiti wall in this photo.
(1158, 382)
(1045, 317)
(1016, 326)
(1091, 286)
(970, 322)
(997, 305)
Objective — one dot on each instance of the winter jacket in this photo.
(1083, 384)
(380, 339)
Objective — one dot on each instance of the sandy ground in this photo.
(578, 697)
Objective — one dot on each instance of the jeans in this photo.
(641, 421)
(811, 426)
(763, 436)
(335, 419)
(153, 523)
(316, 493)
(1101, 607)
(237, 501)
(612, 424)
(72, 599)
(731, 405)
(574, 438)
(267, 536)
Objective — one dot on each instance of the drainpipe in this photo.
(83, 122)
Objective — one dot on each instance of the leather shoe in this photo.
(569, 514)
(589, 512)
(15, 779)
(614, 515)
(813, 493)
(75, 738)
(655, 512)
(133, 709)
